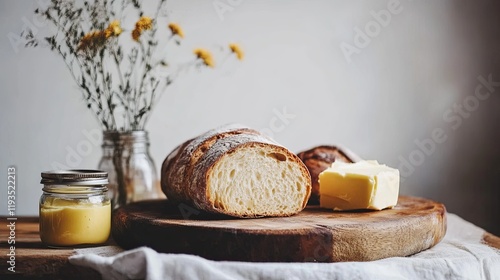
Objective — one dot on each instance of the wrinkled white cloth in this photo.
(460, 255)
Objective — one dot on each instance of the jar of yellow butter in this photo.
(75, 210)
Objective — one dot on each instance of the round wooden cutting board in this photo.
(314, 235)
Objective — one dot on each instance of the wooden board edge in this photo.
(246, 246)
(491, 240)
(372, 247)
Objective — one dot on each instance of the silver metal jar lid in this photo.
(80, 177)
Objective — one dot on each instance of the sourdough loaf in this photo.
(237, 171)
(320, 158)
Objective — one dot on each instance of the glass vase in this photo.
(131, 170)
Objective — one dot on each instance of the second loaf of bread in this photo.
(320, 158)
(237, 171)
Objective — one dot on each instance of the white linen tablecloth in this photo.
(460, 255)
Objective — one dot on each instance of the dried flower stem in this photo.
(111, 75)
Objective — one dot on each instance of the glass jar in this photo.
(132, 172)
(74, 208)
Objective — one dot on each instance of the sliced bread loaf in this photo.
(237, 171)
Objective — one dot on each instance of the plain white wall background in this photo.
(393, 92)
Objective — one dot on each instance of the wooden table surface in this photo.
(36, 261)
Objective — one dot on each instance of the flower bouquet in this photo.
(116, 54)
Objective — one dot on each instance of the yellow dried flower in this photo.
(136, 34)
(235, 48)
(144, 23)
(114, 29)
(92, 40)
(205, 56)
(96, 39)
(176, 29)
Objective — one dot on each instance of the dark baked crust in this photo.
(320, 158)
(169, 183)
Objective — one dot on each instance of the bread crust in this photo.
(168, 178)
(318, 159)
(187, 169)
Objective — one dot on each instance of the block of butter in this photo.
(360, 185)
